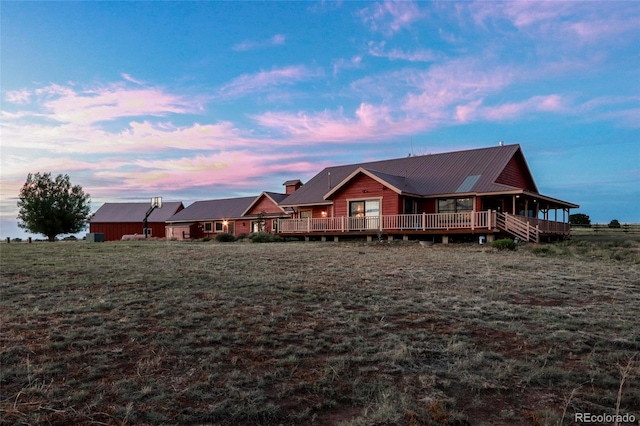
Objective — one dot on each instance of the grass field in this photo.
(318, 333)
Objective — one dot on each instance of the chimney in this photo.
(292, 185)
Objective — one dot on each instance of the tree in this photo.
(579, 219)
(614, 224)
(52, 207)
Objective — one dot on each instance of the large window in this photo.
(207, 227)
(455, 205)
(364, 214)
(364, 208)
(219, 227)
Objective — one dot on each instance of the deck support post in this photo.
(369, 238)
(445, 239)
(490, 238)
(405, 238)
(306, 238)
(389, 237)
(336, 238)
(323, 239)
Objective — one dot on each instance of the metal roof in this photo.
(426, 175)
(227, 208)
(134, 212)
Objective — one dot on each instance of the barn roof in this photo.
(134, 212)
(213, 209)
(470, 171)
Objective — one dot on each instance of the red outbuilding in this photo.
(115, 220)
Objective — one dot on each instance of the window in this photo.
(364, 214)
(304, 214)
(208, 227)
(455, 205)
(274, 225)
(364, 208)
(410, 206)
(219, 227)
(258, 226)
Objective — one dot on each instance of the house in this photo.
(481, 192)
(115, 220)
(235, 216)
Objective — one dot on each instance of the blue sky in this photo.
(205, 100)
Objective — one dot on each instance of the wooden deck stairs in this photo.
(518, 228)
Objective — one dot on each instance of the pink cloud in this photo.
(113, 102)
(250, 83)
(475, 110)
(391, 16)
(369, 123)
(239, 169)
(276, 40)
(340, 64)
(419, 55)
(18, 96)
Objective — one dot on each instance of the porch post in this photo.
(308, 224)
(513, 202)
(526, 208)
(424, 221)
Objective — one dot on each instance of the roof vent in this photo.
(501, 143)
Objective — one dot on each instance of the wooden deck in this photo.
(526, 228)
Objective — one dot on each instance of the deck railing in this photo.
(399, 222)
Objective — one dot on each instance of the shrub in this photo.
(540, 250)
(580, 219)
(504, 244)
(264, 237)
(225, 238)
(614, 224)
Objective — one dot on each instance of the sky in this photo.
(204, 100)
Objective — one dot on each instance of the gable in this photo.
(516, 174)
(360, 185)
(263, 205)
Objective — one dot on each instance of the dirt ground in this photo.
(318, 333)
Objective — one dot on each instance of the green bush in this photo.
(504, 244)
(540, 250)
(614, 224)
(264, 237)
(225, 238)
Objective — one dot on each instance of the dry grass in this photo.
(317, 333)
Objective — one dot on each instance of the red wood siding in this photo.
(355, 189)
(264, 205)
(515, 174)
(115, 231)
